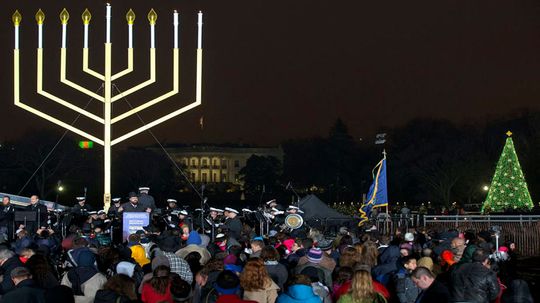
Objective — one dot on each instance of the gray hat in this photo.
(20, 271)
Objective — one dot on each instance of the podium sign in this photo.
(134, 221)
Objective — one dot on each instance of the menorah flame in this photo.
(107, 98)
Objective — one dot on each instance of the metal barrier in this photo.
(21, 201)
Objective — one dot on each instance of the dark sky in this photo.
(275, 70)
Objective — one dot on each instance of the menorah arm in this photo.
(145, 83)
(16, 97)
(88, 70)
(55, 98)
(128, 70)
(63, 78)
(198, 101)
(174, 91)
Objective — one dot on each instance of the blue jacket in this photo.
(299, 293)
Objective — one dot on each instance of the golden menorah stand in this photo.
(107, 120)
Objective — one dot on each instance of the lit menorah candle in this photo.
(152, 17)
(175, 24)
(86, 16)
(199, 33)
(40, 18)
(130, 17)
(108, 20)
(64, 17)
(16, 18)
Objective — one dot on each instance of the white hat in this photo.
(293, 207)
(271, 201)
(92, 212)
(116, 200)
(80, 199)
(409, 237)
(216, 209)
(231, 210)
(175, 212)
(247, 210)
(144, 188)
(171, 201)
(183, 212)
(101, 211)
(220, 235)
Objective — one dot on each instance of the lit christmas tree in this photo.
(508, 190)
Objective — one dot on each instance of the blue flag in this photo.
(378, 192)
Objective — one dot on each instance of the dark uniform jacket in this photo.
(235, 227)
(147, 201)
(41, 217)
(7, 214)
(473, 282)
(81, 210)
(130, 208)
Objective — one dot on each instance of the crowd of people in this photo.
(183, 263)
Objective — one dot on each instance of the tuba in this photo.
(294, 221)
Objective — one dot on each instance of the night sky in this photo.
(275, 70)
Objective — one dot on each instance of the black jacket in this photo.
(25, 292)
(41, 211)
(437, 292)
(235, 227)
(7, 215)
(473, 282)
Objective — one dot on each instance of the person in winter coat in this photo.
(387, 265)
(25, 290)
(8, 261)
(227, 286)
(277, 271)
(299, 291)
(474, 282)
(406, 290)
(118, 289)
(194, 243)
(42, 272)
(362, 290)
(432, 289)
(314, 257)
(158, 288)
(84, 279)
(137, 250)
(257, 284)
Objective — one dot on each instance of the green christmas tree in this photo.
(508, 190)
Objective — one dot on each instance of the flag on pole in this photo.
(378, 191)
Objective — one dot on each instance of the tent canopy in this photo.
(313, 207)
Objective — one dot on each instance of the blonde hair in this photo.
(361, 286)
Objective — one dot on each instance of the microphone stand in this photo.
(203, 202)
(289, 186)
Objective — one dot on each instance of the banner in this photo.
(134, 221)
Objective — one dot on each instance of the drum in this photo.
(294, 221)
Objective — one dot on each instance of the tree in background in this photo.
(261, 172)
(508, 190)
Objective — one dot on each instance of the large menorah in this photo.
(107, 98)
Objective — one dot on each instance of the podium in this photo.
(24, 216)
(133, 221)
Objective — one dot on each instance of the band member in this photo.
(145, 200)
(7, 215)
(184, 219)
(233, 223)
(81, 208)
(172, 205)
(113, 209)
(294, 210)
(278, 217)
(41, 214)
(133, 205)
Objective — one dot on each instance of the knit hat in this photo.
(426, 262)
(325, 244)
(194, 238)
(314, 255)
(230, 259)
(160, 260)
(227, 283)
(409, 237)
(126, 268)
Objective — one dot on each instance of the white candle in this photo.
(16, 37)
(199, 36)
(64, 34)
(108, 19)
(130, 36)
(152, 36)
(86, 35)
(175, 24)
(40, 35)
